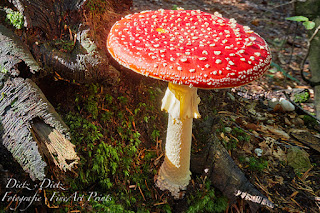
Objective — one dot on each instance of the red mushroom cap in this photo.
(189, 47)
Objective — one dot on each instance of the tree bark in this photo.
(63, 21)
(216, 163)
(24, 110)
(311, 9)
(50, 15)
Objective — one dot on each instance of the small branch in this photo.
(305, 58)
(246, 131)
(290, 2)
(299, 107)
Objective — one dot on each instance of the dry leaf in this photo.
(224, 137)
(266, 149)
(280, 154)
(247, 147)
(276, 131)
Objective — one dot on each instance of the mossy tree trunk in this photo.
(61, 34)
(51, 15)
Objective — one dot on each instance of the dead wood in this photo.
(305, 137)
(68, 21)
(219, 167)
(84, 64)
(46, 14)
(21, 103)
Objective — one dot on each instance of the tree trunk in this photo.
(311, 9)
(85, 59)
(51, 15)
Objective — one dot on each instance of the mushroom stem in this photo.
(181, 102)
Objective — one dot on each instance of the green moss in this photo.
(97, 6)
(14, 18)
(64, 45)
(205, 200)
(239, 135)
(105, 130)
(309, 121)
(302, 97)
(254, 164)
(3, 70)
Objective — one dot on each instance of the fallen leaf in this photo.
(247, 147)
(280, 154)
(224, 137)
(266, 148)
(276, 131)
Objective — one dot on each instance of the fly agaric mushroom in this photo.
(189, 49)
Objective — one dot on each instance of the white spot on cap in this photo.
(183, 59)
(202, 58)
(218, 61)
(232, 20)
(217, 52)
(179, 68)
(192, 70)
(246, 28)
(231, 63)
(217, 14)
(204, 52)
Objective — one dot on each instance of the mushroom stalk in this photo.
(181, 102)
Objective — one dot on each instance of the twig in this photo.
(299, 107)
(290, 2)
(246, 131)
(141, 193)
(305, 58)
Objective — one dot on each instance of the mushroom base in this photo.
(174, 174)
